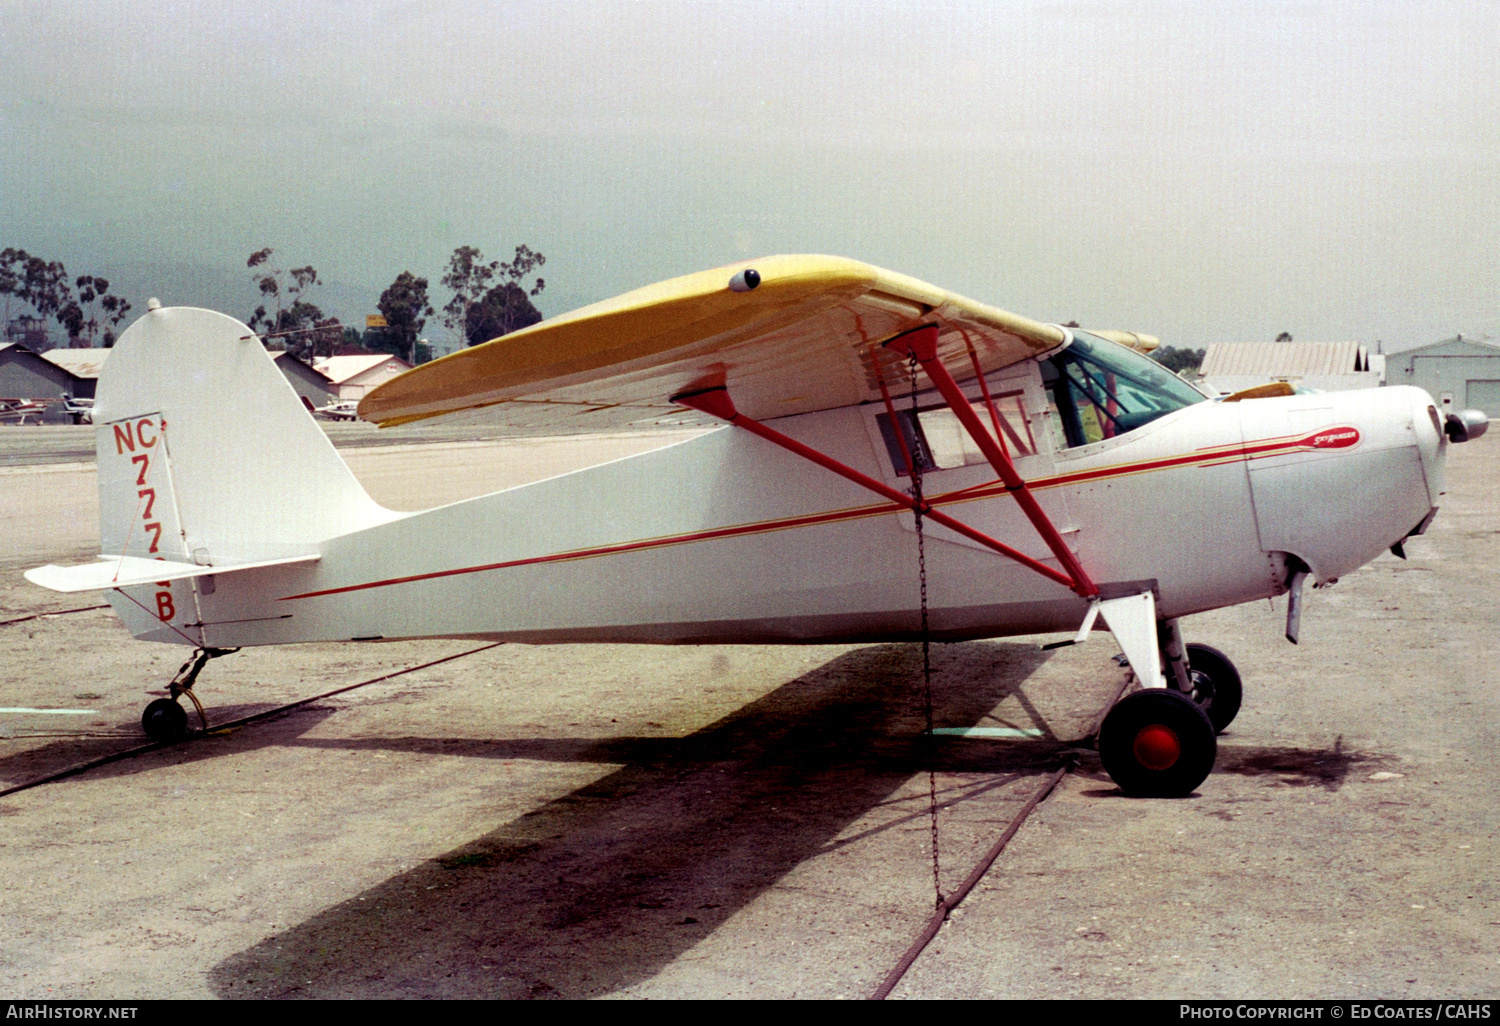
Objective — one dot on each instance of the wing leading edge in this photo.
(805, 338)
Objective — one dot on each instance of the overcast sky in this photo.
(1207, 171)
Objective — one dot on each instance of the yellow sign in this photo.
(375, 321)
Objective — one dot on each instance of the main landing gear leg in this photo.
(1155, 743)
(1202, 673)
(164, 720)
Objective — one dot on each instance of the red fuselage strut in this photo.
(921, 345)
(716, 403)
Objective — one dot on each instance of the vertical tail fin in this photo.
(207, 456)
(244, 473)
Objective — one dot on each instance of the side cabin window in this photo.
(1097, 390)
(936, 439)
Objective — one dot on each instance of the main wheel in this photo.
(1216, 685)
(164, 721)
(1157, 743)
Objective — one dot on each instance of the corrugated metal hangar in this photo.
(27, 377)
(1458, 372)
(85, 366)
(312, 385)
(1326, 366)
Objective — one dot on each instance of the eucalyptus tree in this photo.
(99, 308)
(468, 277)
(406, 308)
(507, 305)
(41, 285)
(294, 315)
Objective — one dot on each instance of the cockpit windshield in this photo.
(1100, 390)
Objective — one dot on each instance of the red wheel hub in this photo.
(1157, 747)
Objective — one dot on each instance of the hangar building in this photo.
(1325, 366)
(353, 376)
(312, 385)
(26, 376)
(83, 364)
(86, 364)
(1459, 373)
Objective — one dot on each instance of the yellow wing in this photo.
(806, 338)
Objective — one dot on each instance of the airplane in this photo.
(79, 410)
(20, 409)
(342, 409)
(1048, 478)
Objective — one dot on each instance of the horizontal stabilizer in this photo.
(125, 571)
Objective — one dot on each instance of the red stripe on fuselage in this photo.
(1206, 457)
(762, 527)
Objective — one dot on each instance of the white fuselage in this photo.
(727, 538)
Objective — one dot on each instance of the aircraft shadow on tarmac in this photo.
(1327, 768)
(1282, 765)
(63, 752)
(563, 902)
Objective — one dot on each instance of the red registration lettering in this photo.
(165, 610)
(145, 462)
(155, 530)
(149, 494)
(140, 432)
(124, 439)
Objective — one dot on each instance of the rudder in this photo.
(207, 455)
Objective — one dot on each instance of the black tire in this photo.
(164, 721)
(1216, 685)
(1157, 743)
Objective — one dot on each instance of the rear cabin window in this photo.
(937, 440)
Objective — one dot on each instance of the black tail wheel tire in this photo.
(164, 721)
(1216, 685)
(1157, 743)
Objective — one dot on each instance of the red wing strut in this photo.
(716, 403)
(921, 344)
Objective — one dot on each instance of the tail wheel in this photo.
(1216, 685)
(164, 721)
(1157, 743)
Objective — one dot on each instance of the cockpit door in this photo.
(951, 463)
